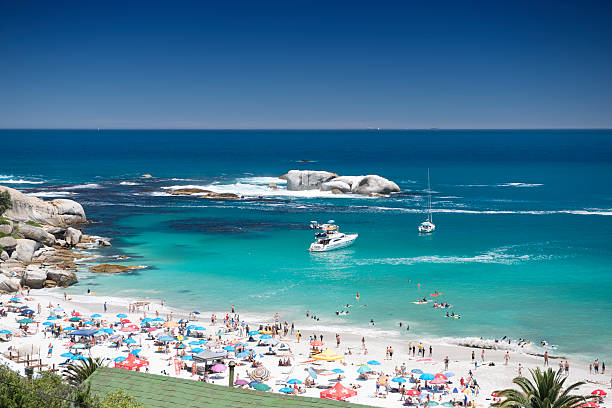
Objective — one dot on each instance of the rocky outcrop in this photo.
(72, 236)
(307, 179)
(188, 191)
(107, 268)
(327, 181)
(36, 234)
(9, 285)
(34, 277)
(374, 184)
(204, 193)
(221, 196)
(24, 250)
(146, 176)
(6, 227)
(4, 256)
(62, 277)
(59, 212)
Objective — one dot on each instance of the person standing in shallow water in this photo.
(546, 358)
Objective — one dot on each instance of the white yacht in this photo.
(330, 238)
(428, 226)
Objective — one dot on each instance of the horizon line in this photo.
(299, 129)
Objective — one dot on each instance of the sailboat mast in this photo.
(429, 191)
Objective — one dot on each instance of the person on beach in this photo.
(603, 367)
(473, 355)
(337, 340)
(390, 353)
(482, 355)
(520, 370)
(507, 357)
(546, 358)
(363, 342)
(446, 360)
(430, 351)
(567, 367)
(298, 335)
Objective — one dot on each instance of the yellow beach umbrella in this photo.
(328, 355)
(171, 324)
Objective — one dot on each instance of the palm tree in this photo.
(76, 373)
(546, 391)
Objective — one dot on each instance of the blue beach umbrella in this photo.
(96, 315)
(5, 331)
(252, 383)
(118, 359)
(338, 370)
(294, 381)
(109, 331)
(157, 319)
(166, 338)
(265, 336)
(253, 332)
(197, 350)
(69, 328)
(398, 380)
(67, 355)
(194, 343)
(373, 362)
(199, 328)
(187, 358)
(47, 324)
(312, 373)
(130, 341)
(416, 371)
(89, 322)
(448, 374)
(427, 376)
(52, 318)
(78, 357)
(242, 354)
(286, 390)
(364, 369)
(15, 299)
(121, 316)
(135, 351)
(229, 348)
(146, 319)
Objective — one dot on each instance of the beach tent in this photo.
(209, 355)
(328, 355)
(132, 362)
(338, 392)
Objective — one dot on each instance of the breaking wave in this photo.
(51, 194)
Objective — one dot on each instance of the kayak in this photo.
(436, 294)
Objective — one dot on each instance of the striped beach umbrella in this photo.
(260, 374)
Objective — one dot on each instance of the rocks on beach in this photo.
(202, 193)
(108, 268)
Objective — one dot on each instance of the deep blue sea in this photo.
(523, 245)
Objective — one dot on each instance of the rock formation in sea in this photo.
(298, 180)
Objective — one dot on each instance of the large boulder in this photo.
(62, 277)
(8, 243)
(375, 184)
(336, 185)
(34, 277)
(24, 251)
(9, 285)
(72, 236)
(352, 181)
(107, 268)
(58, 213)
(4, 256)
(307, 179)
(36, 234)
(6, 226)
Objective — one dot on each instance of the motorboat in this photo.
(330, 238)
(428, 226)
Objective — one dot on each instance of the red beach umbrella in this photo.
(316, 343)
(338, 392)
(600, 393)
(413, 393)
(590, 404)
(441, 376)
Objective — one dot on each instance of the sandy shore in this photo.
(491, 375)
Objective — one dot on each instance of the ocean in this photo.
(523, 246)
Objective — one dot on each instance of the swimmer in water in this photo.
(372, 322)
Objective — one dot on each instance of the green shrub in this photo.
(1, 249)
(5, 202)
(33, 224)
(4, 220)
(2, 235)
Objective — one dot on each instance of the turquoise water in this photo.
(522, 247)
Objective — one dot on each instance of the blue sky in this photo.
(305, 64)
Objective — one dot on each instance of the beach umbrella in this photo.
(261, 387)
(74, 319)
(229, 348)
(95, 315)
(240, 382)
(218, 368)
(338, 392)
(252, 383)
(438, 381)
(312, 373)
(243, 354)
(398, 380)
(135, 351)
(441, 376)
(130, 341)
(265, 336)
(199, 328)
(338, 370)
(4, 331)
(253, 332)
(120, 358)
(294, 381)
(194, 343)
(426, 376)
(47, 324)
(316, 343)
(89, 322)
(468, 391)
(157, 319)
(146, 319)
(416, 371)
(600, 393)
(364, 369)
(166, 338)
(125, 321)
(195, 312)
(447, 404)
(78, 357)
(286, 390)
(67, 355)
(373, 362)
(121, 316)
(25, 321)
(448, 374)
(187, 358)
(108, 331)
(197, 350)
(432, 404)
(69, 328)
(52, 318)
(259, 374)
(589, 404)
(78, 346)
(171, 324)
(58, 310)
(413, 393)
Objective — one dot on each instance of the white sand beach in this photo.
(491, 374)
